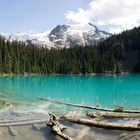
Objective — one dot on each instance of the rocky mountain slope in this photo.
(63, 36)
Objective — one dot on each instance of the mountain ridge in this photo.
(62, 36)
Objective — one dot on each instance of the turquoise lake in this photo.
(82, 89)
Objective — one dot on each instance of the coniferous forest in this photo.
(105, 57)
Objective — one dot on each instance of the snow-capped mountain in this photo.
(63, 36)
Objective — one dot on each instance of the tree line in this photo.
(19, 58)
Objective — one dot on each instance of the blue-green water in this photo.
(85, 89)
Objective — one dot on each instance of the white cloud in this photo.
(82, 16)
(115, 30)
(124, 14)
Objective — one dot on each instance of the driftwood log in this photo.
(117, 109)
(101, 124)
(57, 128)
(22, 122)
(105, 114)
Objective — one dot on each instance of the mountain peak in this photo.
(96, 29)
(63, 36)
(59, 29)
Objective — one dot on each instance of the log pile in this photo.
(98, 121)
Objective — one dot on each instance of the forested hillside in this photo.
(118, 53)
(125, 48)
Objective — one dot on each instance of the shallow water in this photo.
(22, 92)
(77, 132)
(85, 89)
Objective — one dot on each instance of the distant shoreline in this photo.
(90, 74)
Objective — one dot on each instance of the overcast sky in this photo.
(41, 15)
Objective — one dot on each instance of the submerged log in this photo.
(129, 136)
(22, 119)
(90, 107)
(102, 124)
(112, 115)
(57, 128)
(25, 122)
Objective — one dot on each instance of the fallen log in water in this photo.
(21, 119)
(112, 115)
(101, 124)
(26, 122)
(57, 128)
(88, 107)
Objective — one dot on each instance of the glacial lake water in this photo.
(80, 89)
